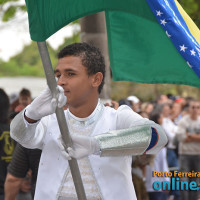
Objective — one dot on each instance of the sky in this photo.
(15, 34)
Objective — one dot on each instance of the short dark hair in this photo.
(91, 58)
(155, 116)
(25, 92)
(4, 107)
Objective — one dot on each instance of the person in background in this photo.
(138, 175)
(162, 99)
(176, 112)
(14, 101)
(24, 161)
(149, 108)
(170, 129)
(135, 103)
(24, 99)
(7, 145)
(125, 102)
(188, 134)
(181, 101)
(112, 104)
(159, 165)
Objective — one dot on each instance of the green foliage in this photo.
(30, 55)
(9, 13)
(76, 22)
(11, 9)
(11, 68)
(192, 7)
(5, 1)
(23, 8)
(27, 62)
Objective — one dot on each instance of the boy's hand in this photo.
(83, 146)
(45, 104)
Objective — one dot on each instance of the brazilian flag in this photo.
(150, 41)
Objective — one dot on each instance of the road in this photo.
(15, 84)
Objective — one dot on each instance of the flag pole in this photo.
(46, 61)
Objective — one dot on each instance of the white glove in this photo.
(45, 104)
(83, 146)
(62, 148)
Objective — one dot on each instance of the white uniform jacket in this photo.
(113, 174)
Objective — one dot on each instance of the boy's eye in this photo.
(71, 74)
(57, 75)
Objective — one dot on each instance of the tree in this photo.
(192, 7)
(9, 8)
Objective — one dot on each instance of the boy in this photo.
(103, 138)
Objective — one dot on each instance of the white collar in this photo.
(87, 120)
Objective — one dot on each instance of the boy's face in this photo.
(77, 84)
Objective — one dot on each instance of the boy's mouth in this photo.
(66, 91)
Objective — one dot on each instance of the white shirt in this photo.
(170, 129)
(82, 126)
(112, 174)
(186, 124)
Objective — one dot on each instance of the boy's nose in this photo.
(61, 81)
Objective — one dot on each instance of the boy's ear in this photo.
(97, 79)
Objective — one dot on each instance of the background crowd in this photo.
(177, 115)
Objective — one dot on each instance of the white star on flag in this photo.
(192, 52)
(163, 22)
(199, 55)
(168, 34)
(159, 13)
(183, 48)
(189, 64)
